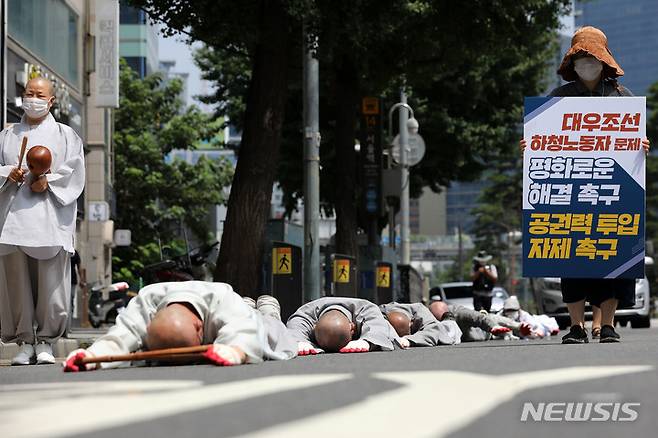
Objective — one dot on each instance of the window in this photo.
(49, 29)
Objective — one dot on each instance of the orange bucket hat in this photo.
(592, 41)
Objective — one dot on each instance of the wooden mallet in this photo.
(22, 155)
(164, 354)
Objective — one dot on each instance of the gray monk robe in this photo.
(227, 320)
(430, 332)
(370, 323)
(476, 326)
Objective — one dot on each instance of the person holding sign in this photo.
(592, 72)
(38, 210)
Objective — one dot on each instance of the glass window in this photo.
(131, 15)
(49, 29)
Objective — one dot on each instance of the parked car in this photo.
(549, 301)
(461, 293)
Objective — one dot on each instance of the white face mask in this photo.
(35, 108)
(588, 69)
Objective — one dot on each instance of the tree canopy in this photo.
(466, 67)
(154, 198)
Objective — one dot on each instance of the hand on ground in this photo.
(73, 362)
(306, 348)
(525, 329)
(404, 343)
(359, 346)
(225, 355)
(499, 330)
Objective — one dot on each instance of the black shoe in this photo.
(608, 334)
(577, 335)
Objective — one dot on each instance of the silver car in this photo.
(461, 293)
(548, 297)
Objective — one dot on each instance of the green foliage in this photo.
(155, 199)
(466, 66)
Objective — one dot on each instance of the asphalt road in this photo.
(470, 390)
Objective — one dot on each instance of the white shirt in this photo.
(40, 220)
(227, 319)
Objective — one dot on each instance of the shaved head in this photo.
(400, 322)
(333, 331)
(177, 325)
(438, 309)
(44, 85)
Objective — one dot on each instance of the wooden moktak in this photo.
(39, 160)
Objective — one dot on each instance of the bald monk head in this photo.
(400, 322)
(438, 309)
(42, 89)
(177, 325)
(333, 331)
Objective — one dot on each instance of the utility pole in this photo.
(405, 251)
(311, 169)
(3, 63)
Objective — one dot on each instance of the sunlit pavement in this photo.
(470, 390)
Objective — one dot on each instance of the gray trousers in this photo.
(34, 292)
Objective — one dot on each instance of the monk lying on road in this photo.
(417, 327)
(336, 324)
(193, 313)
(478, 326)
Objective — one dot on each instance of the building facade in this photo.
(632, 36)
(138, 40)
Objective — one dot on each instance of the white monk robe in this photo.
(37, 233)
(227, 320)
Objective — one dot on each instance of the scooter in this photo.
(105, 302)
(198, 264)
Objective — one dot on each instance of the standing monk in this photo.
(37, 227)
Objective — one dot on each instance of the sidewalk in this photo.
(77, 338)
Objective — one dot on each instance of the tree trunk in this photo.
(241, 251)
(347, 100)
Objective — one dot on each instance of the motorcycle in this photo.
(105, 302)
(197, 264)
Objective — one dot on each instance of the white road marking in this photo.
(74, 408)
(460, 398)
(13, 396)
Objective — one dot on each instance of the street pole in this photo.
(460, 252)
(311, 170)
(3, 63)
(405, 252)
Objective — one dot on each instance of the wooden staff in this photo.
(164, 354)
(22, 155)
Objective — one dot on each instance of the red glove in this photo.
(306, 348)
(73, 362)
(359, 346)
(224, 355)
(499, 330)
(525, 329)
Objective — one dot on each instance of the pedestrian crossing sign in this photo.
(282, 260)
(383, 276)
(341, 271)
